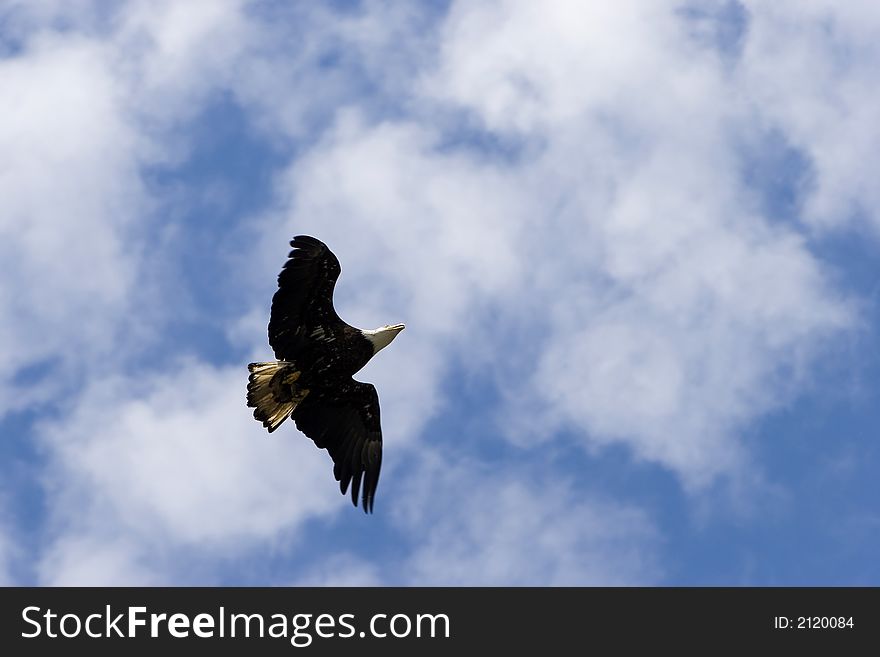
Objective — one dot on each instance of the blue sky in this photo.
(635, 248)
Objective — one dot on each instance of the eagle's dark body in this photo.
(311, 382)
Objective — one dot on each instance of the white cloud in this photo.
(174, 54)
(92, 559)
(679, 360)
(342, 570)
(178, 459)
(810, 68)
(478, 526)
(70, 195)
(459, 523)
(522, 66)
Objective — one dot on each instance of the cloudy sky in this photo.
(634, 244)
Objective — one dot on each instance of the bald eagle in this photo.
(311, 381)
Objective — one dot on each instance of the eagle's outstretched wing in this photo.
(304, 300)
(345, 422)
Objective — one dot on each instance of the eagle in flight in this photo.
(311, 381)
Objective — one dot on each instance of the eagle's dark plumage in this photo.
(312, 379)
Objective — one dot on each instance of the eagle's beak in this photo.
(397, 327)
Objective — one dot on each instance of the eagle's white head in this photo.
(382, 336)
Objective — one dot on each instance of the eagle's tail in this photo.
(273, 392)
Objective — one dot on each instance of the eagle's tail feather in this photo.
(273, 393)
